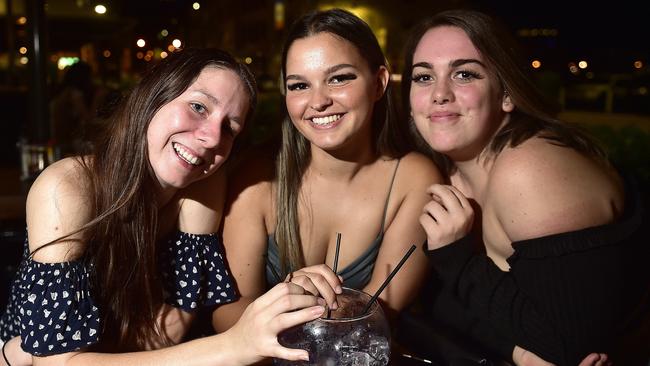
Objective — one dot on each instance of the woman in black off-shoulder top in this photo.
(537, 239)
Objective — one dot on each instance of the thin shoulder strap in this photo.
(390, 189)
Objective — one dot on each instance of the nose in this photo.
(209, 132)
(442, 93)
(320, 99)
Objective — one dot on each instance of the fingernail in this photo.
(321, 301)
(305, 357)
(335, 305)
(338, 290)
(318, 310)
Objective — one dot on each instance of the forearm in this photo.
(225, 316)
(213, 350)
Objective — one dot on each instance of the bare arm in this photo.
(251, 339)
(416, 173)
(245, 236)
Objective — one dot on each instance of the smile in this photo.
(322, 121)
(186, 155)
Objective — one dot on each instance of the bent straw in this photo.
(387, 280)
(336, 263)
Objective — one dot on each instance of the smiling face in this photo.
(331, 91)
(456, 103)
(191, 136)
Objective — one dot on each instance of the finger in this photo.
(305, 282)
(327, 283)
(590, 360)
(278, 291)
(290, 354)
(461, 197)
(429, 225)
(447, 196)
(328, 274)
(437, 212)
(288, 303)
(289, 319)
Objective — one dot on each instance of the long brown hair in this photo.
(533, 114)
(121, 239)
(389, 136)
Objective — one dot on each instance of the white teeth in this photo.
(186, 155)
(325, 120)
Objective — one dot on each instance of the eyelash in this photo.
(336, 79)
(419, 78)
(296, 86)
(343, 77)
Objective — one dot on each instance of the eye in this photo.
(198, 108)
(421, 78)
(296, 86)
(339, 79)
(466, 75)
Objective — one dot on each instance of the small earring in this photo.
(205, 171)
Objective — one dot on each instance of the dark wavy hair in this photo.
(121, 239)
(533, 115)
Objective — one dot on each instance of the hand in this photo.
(522, 357)
(254, 336)
(319, 280)
(596, 359)
(447, 217)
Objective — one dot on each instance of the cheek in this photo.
(295, 106)
(418, 99)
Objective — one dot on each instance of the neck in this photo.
(471, 177)
(164, 196)
(341, 165)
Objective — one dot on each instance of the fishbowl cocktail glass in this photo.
(346, 338)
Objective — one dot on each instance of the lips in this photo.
(443, 116)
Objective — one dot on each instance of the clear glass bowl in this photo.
(347, 338)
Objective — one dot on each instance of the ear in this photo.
(506, 104)
(383, 78)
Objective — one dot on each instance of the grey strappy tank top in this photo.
(356, 275)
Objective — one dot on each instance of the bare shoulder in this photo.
(58, 203)
(417, 171)
(250, 182)
(539, 188)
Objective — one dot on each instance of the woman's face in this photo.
(456, 103)
(191, 136)
(331, 91)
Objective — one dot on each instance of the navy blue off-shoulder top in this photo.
(52, 309)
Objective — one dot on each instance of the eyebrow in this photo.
(329, 70)
(454, 63)
(215, 101)
(206, 94)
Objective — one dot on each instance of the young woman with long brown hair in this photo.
(122, 244)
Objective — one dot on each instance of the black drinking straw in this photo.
(336, 263)
(390, 277)
(336, 254)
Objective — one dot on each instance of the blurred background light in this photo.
(100, 9)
